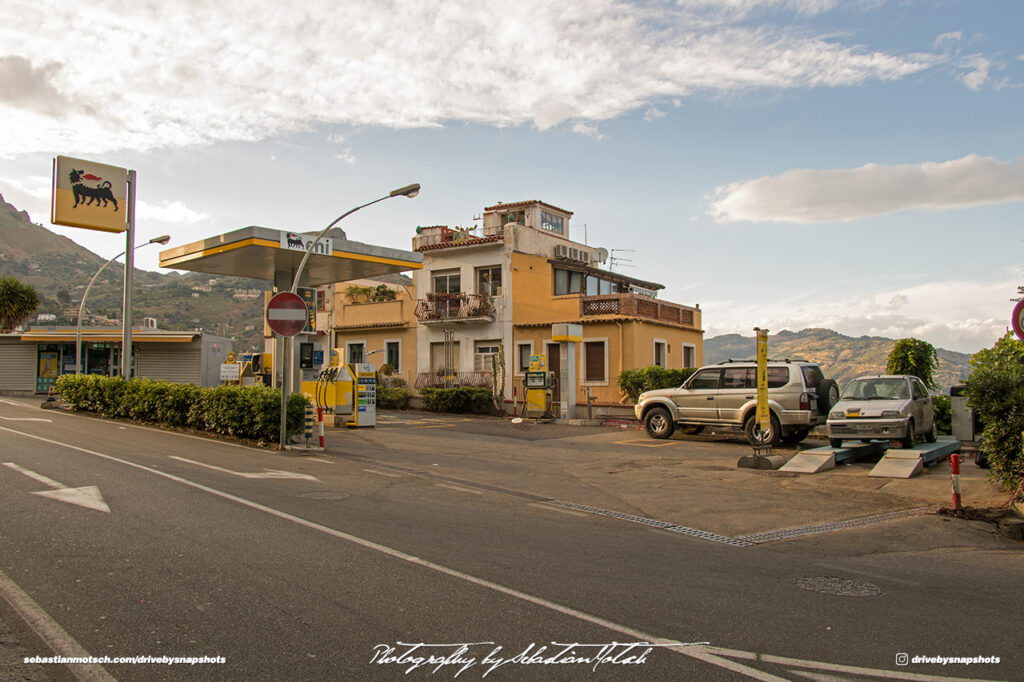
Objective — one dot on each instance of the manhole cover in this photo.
(323, 496)
(841, 587)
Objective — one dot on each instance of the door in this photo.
(555, 365)
(738, 387)
(696, 402)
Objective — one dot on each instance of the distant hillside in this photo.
(841, 357)
(60, 269)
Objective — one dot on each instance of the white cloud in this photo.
(584, 129)
(947, 39)
(961, 315)
(815, 196)
(168, 212)
(978, 74)
(143, 75)
(654, 113)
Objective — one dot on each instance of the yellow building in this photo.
(502, 286)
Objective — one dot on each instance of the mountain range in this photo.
(59, 269)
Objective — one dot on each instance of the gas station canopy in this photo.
(260, 252)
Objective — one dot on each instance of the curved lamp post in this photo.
(81, 306)
(407, 191)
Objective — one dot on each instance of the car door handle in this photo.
(750, 397)
(711, 397)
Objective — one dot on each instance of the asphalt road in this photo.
(318, 567)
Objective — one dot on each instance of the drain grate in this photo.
(785, 534)
(839, 587)
(653, 523)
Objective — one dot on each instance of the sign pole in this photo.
(764, 421)
(285, 391)
(129, 268)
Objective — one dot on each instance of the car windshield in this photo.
(877, 389)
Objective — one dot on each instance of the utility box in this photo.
(964, 422)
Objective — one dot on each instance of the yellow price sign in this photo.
(763, 413)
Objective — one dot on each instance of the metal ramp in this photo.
(823, 459)
(904, 463)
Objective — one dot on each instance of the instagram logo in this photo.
(901, 659)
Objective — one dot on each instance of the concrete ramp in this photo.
(904, 463)
(823, 459)
(898, 464)
(811, 461)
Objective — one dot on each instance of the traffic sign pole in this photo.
(286, 316)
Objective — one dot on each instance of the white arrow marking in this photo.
(87, 496)
(286, 314)
(26, 419)
(268, 473)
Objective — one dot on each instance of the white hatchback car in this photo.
(887, 407)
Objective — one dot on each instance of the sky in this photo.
(850, 164)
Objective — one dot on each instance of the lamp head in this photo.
(407, 191)
(160, 240)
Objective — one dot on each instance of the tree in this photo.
(995, 391)
(915, 357)
(17, 302)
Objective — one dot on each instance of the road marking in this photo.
(459, 488)
(712, 655)
(268, 473)
(382, 473)
(548, 507)
(48, 630)
(12, 402)
(26, 419)
(88, 496)
(643, 443)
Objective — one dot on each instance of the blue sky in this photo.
(851, 164)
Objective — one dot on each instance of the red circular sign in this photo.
(1018, 319)
(287, 313)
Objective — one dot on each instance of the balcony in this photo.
(441, 237)
(635, 305)
(370, 314)
(460, 307)
(442, 379)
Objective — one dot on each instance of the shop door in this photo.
(555, 365)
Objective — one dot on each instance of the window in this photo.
(444, 359)
(488, 280)
(778, 377)
(523, 353)
(393, 354)
(689, 355)
(920, 393)
(551, 222)
(594, 361)
(660, 353)
(355, 352)
(448, 282)
(705, 380)
(568, 281)
(739, 377)
(483, 351)
(321, 300)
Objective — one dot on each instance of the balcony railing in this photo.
(448, 238)
(454, 308)
(634, 305)
(443, 379)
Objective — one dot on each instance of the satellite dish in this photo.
(601, 255)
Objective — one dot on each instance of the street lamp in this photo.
(286, 345)
(81, 306)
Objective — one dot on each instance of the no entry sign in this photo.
(286, 314)
(1018, 319)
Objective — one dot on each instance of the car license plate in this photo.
(853, 413)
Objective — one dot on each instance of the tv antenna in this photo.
(614, 260)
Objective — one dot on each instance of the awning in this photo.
(259, 252)
(107, 336)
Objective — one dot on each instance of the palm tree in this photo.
(17, 302)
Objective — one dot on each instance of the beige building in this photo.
(496, 290)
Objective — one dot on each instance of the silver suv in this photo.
(725, 395)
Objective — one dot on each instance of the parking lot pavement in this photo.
(692, 482)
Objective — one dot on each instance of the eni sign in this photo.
(89, 194)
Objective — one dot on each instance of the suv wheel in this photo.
(756, 437)
(795, 437)
(658, 423)
(828, 395)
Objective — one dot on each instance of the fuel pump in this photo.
(364, 392)
(539, 385)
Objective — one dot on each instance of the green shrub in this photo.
(943, 414)
(463, 399)
(252, 412)
(393, 397)
(633, 382)
(995, 391)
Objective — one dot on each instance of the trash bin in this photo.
(963, 419)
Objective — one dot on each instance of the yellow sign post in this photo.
(89, 194)
(764, 418)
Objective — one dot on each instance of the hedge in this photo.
(393, 397)
(633, 382)
(251, 412)
(460, 399)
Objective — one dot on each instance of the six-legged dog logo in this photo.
(85, 195)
